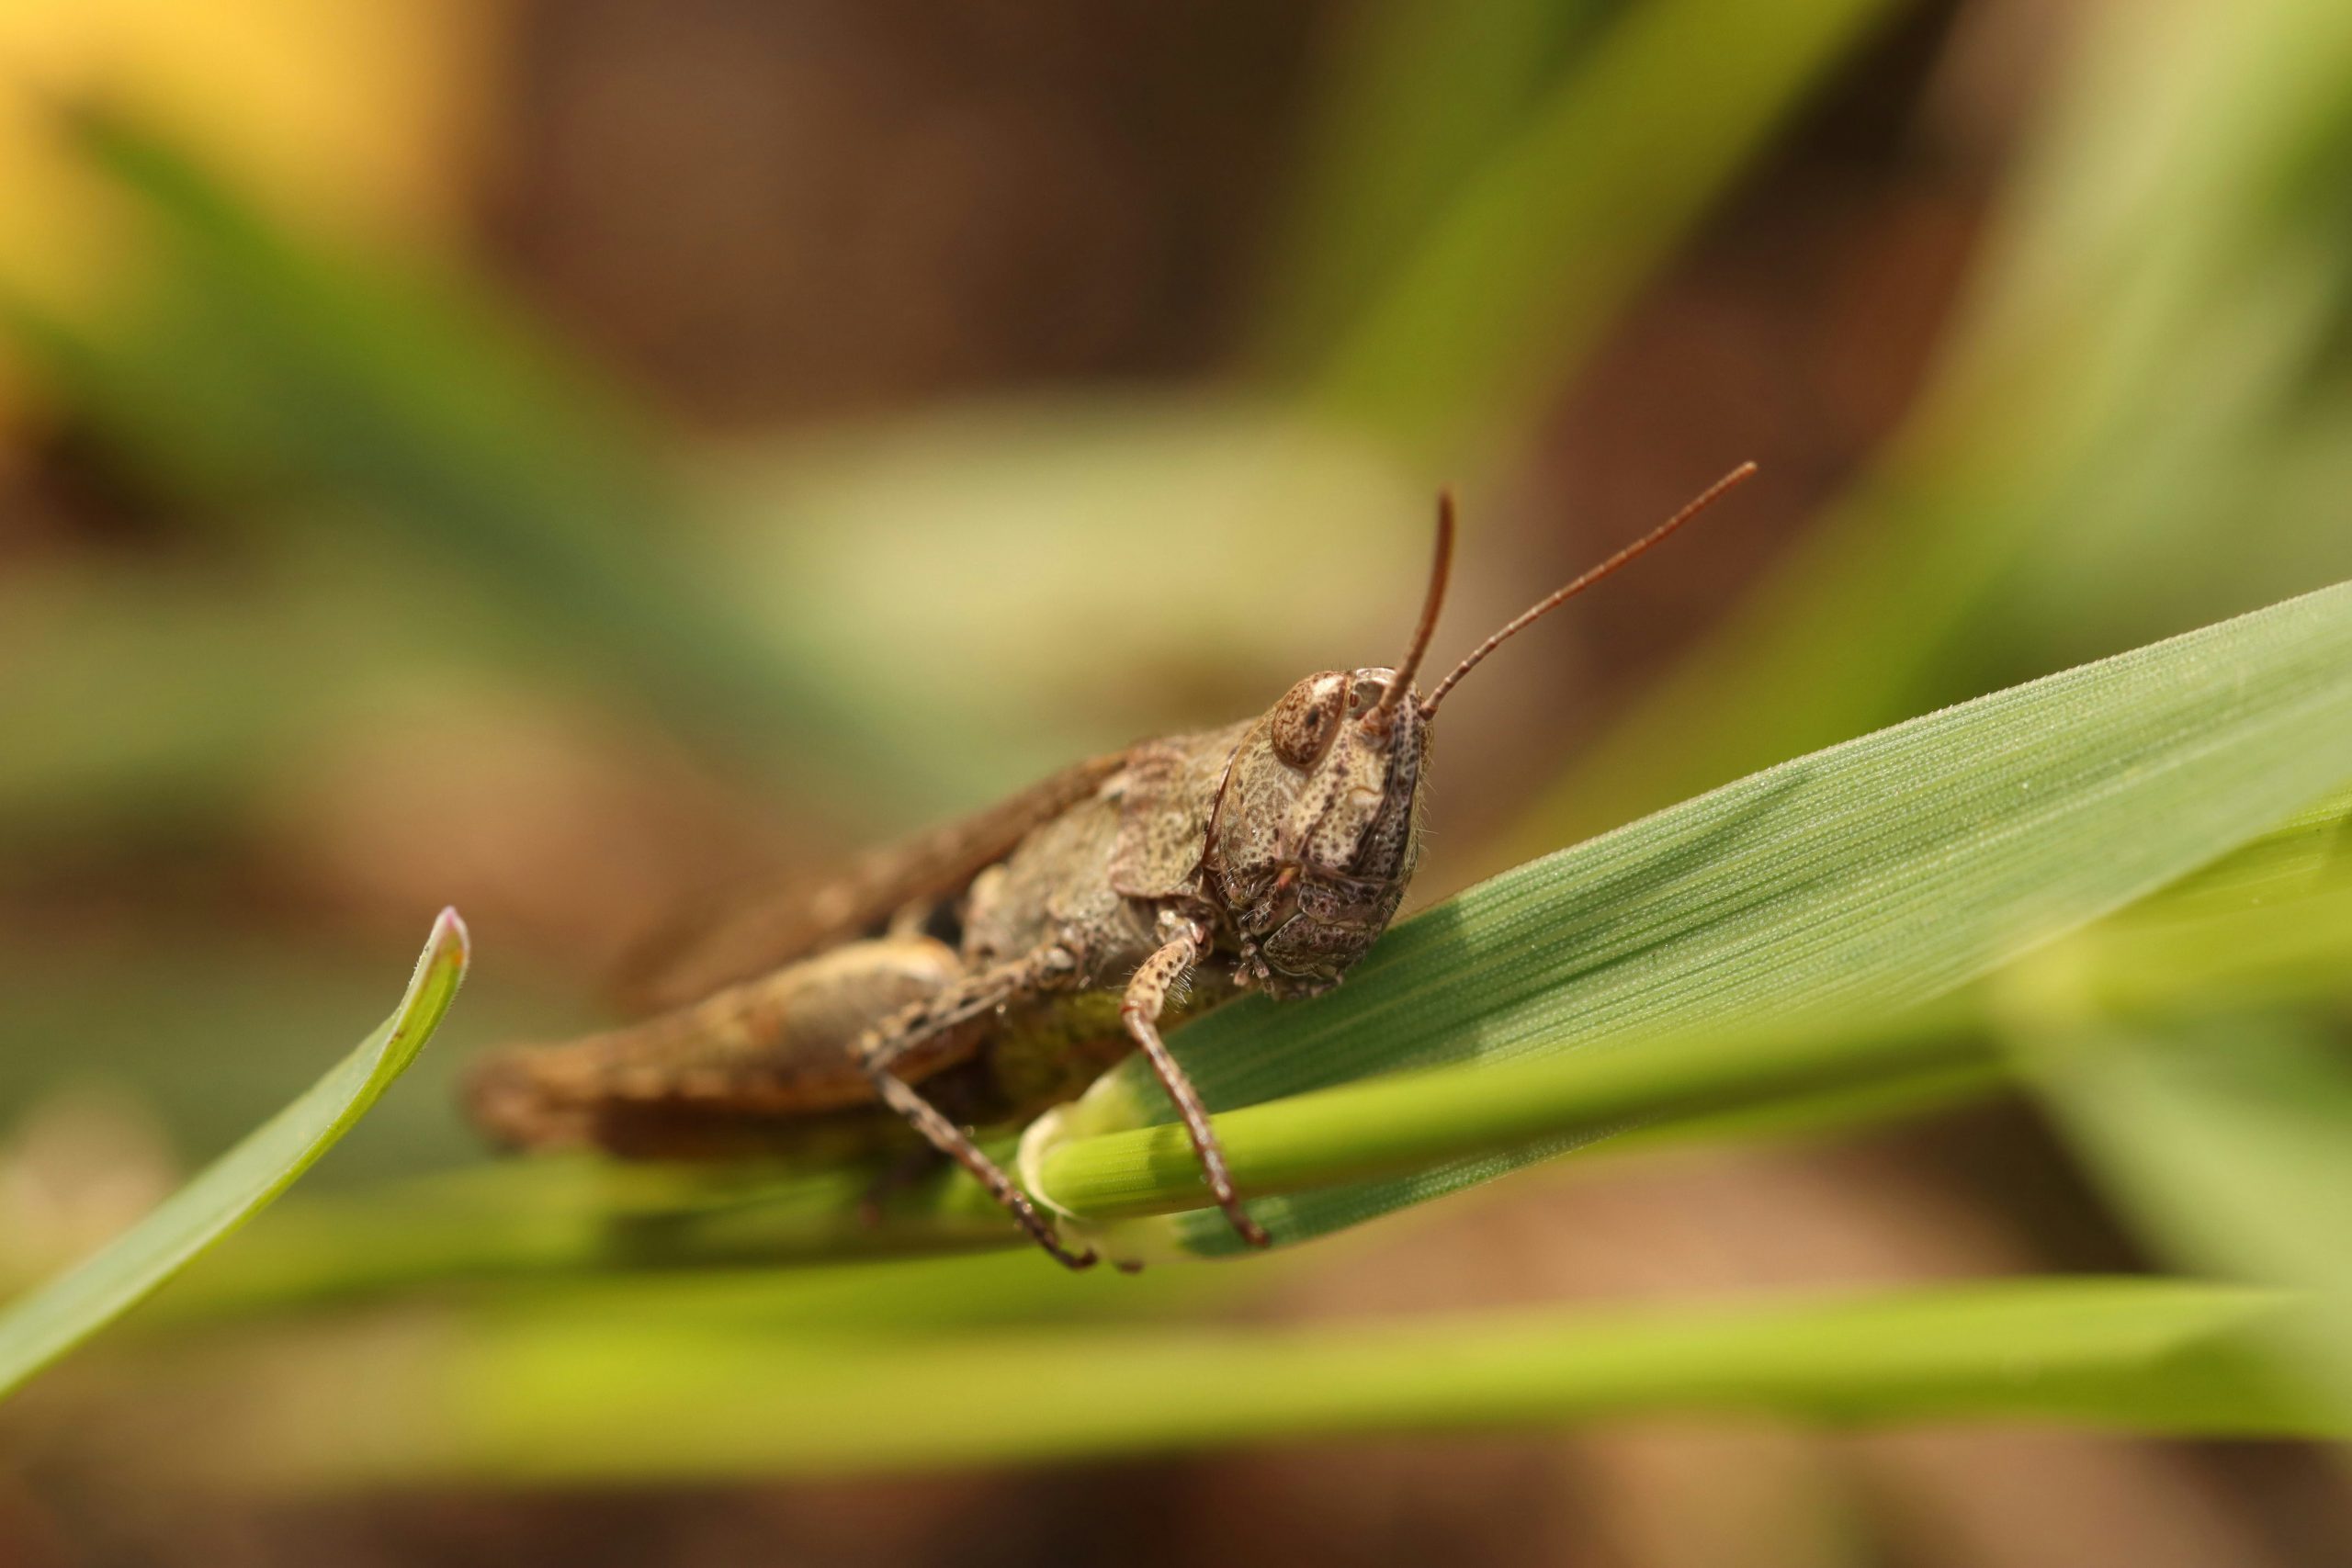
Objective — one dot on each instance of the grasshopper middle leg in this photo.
(1147, 997)
(911, 1031)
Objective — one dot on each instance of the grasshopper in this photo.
(993, 967)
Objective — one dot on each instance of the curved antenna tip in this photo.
(1545, 606)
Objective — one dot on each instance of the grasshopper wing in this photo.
(786, 925)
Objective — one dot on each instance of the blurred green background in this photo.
(572, 461)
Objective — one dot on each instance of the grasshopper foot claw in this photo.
(1249, 1230)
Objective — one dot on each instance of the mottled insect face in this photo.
(1317, 830)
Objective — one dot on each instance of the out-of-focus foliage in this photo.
(1532, 231)
(245, 81)
(587, 1400)
(2224, 1138)
(2148, 349)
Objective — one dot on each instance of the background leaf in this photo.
(1515, 279)
(2092, 458)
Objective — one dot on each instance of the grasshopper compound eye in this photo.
(1309, 716)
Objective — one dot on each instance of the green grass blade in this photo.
(2229, 1144)
(1847, 883)
(52, 1319)
(1405, 1122)
(573, 1400)
(2273, 920)
(2262, 925)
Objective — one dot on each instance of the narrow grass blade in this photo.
(1402, 1124)
(2228, 1142)
(572, 1402)
(52, 1319)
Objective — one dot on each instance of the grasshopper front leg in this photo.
(1147, 997)
(907, 1032)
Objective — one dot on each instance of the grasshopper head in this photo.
(1316, 832)
(1318, 825)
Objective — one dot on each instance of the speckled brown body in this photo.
(991, 968)
(768, 1064)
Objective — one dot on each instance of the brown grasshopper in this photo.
(993, 967)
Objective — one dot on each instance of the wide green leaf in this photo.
(1847, 884)
(52, 1319)
(2270, 923)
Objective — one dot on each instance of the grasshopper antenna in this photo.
(1441, 567)
(1544, 607)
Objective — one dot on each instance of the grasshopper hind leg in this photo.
(761, 1068)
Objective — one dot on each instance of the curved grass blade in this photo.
(576, 1399)
(52, 1319)
(1848, 883)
